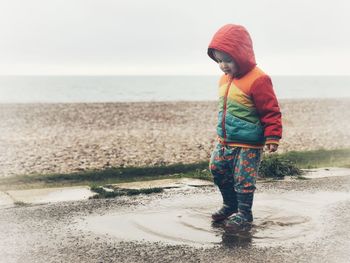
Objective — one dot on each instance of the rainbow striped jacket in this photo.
(249, 114)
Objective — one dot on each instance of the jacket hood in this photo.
(235, 41)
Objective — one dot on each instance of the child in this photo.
(249, 118)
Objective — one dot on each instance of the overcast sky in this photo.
(169, 37)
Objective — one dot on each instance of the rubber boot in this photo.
(244, 218)
(229, 204)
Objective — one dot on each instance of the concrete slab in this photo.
(326, 172)
(165, 183)
(51, 195)
(5, 200)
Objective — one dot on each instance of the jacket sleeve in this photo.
(267, 108)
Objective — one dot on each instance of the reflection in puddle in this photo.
(279, 219)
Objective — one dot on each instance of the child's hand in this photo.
(271, 147)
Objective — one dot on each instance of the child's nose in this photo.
(223, 64)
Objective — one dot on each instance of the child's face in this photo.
(226, 63)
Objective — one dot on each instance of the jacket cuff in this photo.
(272, 140)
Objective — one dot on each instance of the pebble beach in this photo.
(71, 137)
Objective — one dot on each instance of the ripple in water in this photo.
(279, 219)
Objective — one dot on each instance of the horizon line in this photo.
(152, 75)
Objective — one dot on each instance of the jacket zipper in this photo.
(225, 106)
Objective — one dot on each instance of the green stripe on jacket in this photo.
(240, 111)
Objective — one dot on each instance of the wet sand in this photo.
(298, 220)
(63, 138)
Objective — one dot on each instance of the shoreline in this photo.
(160, 101)
(70, 137)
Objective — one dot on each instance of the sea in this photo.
(87, 89)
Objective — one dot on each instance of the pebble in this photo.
(69, 137)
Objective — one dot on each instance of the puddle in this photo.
(280, 219)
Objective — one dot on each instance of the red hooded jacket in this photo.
(248, 95)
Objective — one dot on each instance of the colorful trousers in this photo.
(235, 166)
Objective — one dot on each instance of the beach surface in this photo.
(70, 137)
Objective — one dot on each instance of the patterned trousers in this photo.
(236, 167)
